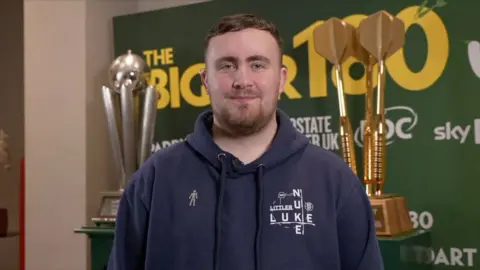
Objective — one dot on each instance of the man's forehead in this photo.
(243, 44)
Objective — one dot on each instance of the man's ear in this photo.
(203, 77)
(283, 79)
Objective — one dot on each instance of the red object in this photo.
(3, 222)
(21, 214)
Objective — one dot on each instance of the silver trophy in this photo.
(130, 107)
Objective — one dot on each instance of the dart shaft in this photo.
(379, 133)
(368, 177)
(340, 93)
(346, 134)
(380, 106)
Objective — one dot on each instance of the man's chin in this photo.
(242, 120)
(245, 115)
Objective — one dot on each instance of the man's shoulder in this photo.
(159, 164)
(332, 170)
(168, 158)
(169, 153)
(329, 163)
(319, 155)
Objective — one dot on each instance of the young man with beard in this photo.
(246, 190)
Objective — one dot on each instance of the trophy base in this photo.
(391, 215)
(107, 214)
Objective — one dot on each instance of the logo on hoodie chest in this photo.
(289, 210)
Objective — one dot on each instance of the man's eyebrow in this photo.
(258, 57)
(226, 59)
(251, 58)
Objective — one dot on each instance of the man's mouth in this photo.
(243, 99)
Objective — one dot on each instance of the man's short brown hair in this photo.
(241, 21)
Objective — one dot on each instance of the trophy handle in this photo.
(148, 123)
(113, 131)
(128, 129)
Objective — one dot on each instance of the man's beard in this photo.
(243, 119)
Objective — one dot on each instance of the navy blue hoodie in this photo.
(192, 206)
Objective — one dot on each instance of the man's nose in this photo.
(242, 78)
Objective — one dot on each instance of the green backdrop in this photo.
(432, 97)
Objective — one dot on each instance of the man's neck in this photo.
(246, 148)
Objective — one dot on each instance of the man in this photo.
(245, 191)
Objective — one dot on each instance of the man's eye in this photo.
(226, 66)
(258, 66)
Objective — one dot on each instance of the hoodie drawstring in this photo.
(218, 213)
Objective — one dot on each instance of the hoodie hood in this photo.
(287, 142)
